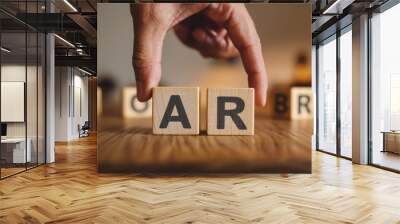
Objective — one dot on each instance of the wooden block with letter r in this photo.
(301, 103)
(176, 110)
(230, 111)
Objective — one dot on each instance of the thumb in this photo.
(147, 52)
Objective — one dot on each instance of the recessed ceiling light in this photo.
(5, 50)
(64, 40)
(337, 7)
(70, 5)
(84, 71)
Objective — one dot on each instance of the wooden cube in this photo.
(279, 101)
(230, 111)
(99, 101)
(132, 107)
(176, 110)
(301, 103)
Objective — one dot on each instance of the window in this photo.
(385, 89)
(22, 78)
(346, 92)
(334, 103)
(327, 95)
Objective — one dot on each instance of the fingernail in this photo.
(261, 101)
(264, 103)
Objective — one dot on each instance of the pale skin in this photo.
(216, 30)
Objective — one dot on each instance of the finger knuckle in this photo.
(142, 65)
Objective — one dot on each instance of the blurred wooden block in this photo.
(301, 103)
(99, 101)
(132, 107)
(280, 101)
(176, 110)
(230, 111)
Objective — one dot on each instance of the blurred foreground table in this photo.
(278, 146)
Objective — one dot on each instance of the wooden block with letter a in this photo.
(301, 103)
(132, 107)
(176, 110)
(230, 111)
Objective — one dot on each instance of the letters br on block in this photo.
(132, 107)
(176, 110)
(230, 111)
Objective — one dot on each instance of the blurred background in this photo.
(284, 29)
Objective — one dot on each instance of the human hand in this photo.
(218, 30)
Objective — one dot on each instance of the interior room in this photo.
(79, 145)
(22, 101)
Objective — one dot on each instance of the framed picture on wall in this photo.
(12, 101)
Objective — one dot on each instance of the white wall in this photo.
(17, 73)
(62, 82)
(82, 82)
(80, 97)
(70, 83)
(14, 73)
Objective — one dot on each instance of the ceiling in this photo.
(76, 20)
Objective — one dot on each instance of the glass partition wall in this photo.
(385, 89)
(22, 76)
(346, 95)
(327, 95)
(334, 91)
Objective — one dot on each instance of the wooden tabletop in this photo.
(278, 146)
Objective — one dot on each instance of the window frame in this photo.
(27, 29)
(337, 35)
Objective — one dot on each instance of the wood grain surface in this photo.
(278, 146)
(189, 99)
(246, 116)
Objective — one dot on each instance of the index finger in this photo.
(242, 31)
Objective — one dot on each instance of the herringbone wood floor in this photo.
(71, 191)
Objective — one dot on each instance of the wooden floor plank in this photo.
(72, 191)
